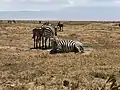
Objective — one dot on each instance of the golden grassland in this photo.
(22, 68)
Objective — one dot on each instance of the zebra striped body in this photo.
(61, 46)
(47, 33)
(37, 34)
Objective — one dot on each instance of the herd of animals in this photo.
(48, 32)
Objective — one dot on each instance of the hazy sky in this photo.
(39, 5)
(59, 5)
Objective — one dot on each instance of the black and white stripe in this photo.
(37, 35)
(47, 33)
(61, 46)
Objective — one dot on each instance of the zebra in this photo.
(37, 35)
(47, 33)
(60, 25)
(44, 32)
(61, 46)
(11, 21)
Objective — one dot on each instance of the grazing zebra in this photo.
(60, 25)
(47, 33)
(61, 46)
(37, 35)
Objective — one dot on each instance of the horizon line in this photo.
(62, 20)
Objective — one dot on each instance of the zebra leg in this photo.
(37, 40)
(81, 49)
(34, 42)
(78, 49)
(62, 28)
(49, 43)
(42, 42)
(46, 43)
(59, 28)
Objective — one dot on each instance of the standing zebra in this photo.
(44, 32)
(47, 33)
(37, 35)
(61, 46)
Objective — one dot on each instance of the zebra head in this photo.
(54, 45)
(54, 41)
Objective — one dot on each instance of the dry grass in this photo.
(22, 68)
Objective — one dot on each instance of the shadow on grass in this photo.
(39, 48)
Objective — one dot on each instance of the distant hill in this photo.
(71, 13)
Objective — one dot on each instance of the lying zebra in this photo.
(61, 46)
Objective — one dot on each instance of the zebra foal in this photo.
(61, 46)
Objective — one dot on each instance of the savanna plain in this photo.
(23, 68)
